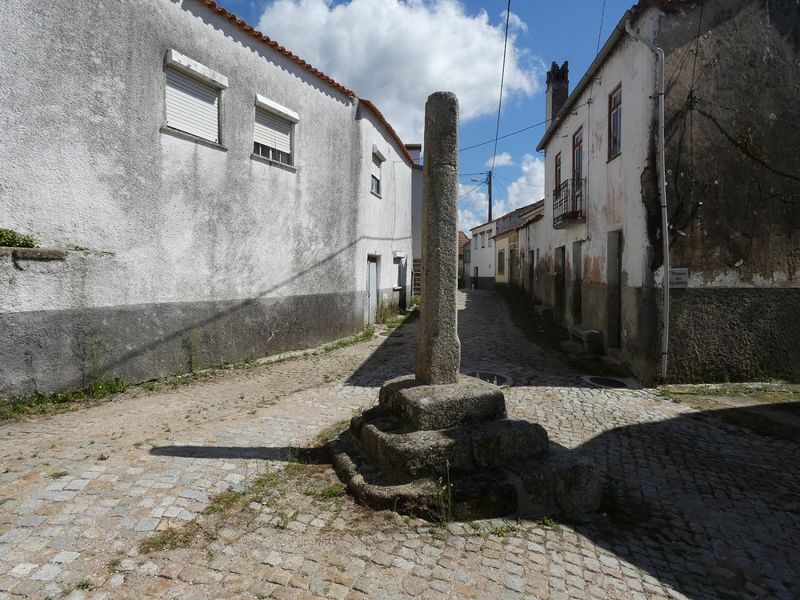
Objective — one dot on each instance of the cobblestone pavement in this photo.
(694, 507)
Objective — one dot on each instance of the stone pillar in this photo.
(438, 347)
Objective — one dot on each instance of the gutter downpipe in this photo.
(664, 222)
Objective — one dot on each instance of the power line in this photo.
(502, 80)
(600, 33)
(470, 191)
(502, 137)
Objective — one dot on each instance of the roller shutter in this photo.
(192, 106)
(272, 131)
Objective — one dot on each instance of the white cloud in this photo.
(501, 160)
(529, 187)
(473, 207)
(397, 52)
(526, 189)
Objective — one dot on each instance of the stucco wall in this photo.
(181, 236)
(613, 193)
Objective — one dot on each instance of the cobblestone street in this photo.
(694, 507)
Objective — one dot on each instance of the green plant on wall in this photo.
(9, 237)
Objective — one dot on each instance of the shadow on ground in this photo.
(710, 508)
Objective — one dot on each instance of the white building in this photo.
(600, 264)
(200, 194)
(482, 258)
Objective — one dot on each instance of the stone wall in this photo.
(722, 334)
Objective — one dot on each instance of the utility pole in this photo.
(489, 183)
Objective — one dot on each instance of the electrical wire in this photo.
(518, 131)
(470, 191)
(502, 81)
(600, 33)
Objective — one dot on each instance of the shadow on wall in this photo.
(184, 331)
(705, 507)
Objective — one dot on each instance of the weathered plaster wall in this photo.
(384, 228)
(197, 254)
(733, 187)
(613, 193)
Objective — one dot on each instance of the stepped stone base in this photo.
(401, 454)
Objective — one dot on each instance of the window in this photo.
(273, 131)
(615, 123)
(192, 97)
(375, 183)
(558, 169)
(375, 180)
(483, 239)
(501, 261)
(489, 237)
(475, 240)
(577, 155)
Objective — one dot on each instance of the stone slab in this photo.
(467, 402)
(557, 483)
(400, 448)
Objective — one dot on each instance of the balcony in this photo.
(569, 203)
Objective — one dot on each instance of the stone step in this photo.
(399, 448)
(467, 402)
(556, 483)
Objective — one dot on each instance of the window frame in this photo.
(557, 170)
(577, 147)
(501, 262)
(201, 75)
(615, 112)
(377, 158)
(273, 155)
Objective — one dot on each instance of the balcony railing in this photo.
(569, 203)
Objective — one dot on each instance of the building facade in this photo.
(482, 257)
(201, 195)
(733, 194)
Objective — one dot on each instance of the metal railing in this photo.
(569, 202)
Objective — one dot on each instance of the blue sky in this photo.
(395, 52)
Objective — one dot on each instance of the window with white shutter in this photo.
(273, 131)
(192, 97)
(272, 137)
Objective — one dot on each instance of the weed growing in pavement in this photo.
(57, 474)
(84, 584)
(444, 498)
(502, 531)
(550, 523)
(171, 538)
(99, 389)
(333, 491)
(113, 564)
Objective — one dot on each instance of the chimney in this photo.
(557, 89)
(414, 150)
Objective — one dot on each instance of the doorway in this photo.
(371, 304)
(614, 288)
(577, 278)
(560, 283)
